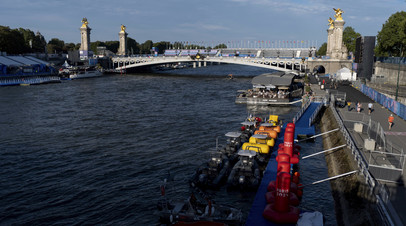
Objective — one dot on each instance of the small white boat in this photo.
(85, 73)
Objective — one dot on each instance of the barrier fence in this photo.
(387, 213)
(389, 103)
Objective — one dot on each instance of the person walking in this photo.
(390, 120)
(359, 107)
(349, 105)
(369, 108)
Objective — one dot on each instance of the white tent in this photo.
(346, 74)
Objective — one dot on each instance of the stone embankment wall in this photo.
(354, 202)
(390, 73)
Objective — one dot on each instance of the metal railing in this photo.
(316, 112)
(302, 110)
(381, 194)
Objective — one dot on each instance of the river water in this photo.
(95, 151)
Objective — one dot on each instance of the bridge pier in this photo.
(194, 64)
(199, 64)
(204, 64)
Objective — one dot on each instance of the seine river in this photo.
(95, 151)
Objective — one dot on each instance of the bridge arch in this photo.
(270, 63)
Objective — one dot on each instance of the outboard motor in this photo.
(202, 178)
(241, 179)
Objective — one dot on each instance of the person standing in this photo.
(390, 120)
(349, 105)
(369, 108)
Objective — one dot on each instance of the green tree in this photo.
(133, 46)
(112, 46)
(349, 38)
(55, 46)
(162, 46)
(94, 45)
(391, 40)
(220, 46)
(146, 47)
(39, 43)
(322, 50)
(71, 46)
(12, 41)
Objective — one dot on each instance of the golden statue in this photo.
(339, 12)
(330, 23)
(122, 28)
(84, 21)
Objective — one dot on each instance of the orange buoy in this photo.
(295, 177)
(270, 133)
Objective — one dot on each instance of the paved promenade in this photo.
(397, 136)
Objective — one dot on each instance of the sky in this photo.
(207, 21)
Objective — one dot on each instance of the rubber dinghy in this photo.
(213, 173)
(245, 174)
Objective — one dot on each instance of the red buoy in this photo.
(283, 167)
(289, 217)
(282, 157)
(288, 143)
(293, 199)
(282, 192)
(280, 211)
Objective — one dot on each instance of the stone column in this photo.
(85, 38)
(330, 41)
(122, 49)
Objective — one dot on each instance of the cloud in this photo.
(213, 27)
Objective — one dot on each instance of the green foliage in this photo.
(391, 40)
(322, 50)
(220, 46)
(133, 46)
(162, 46)
(146, 47)
(112, 46)
(56, 46)
(19, 41)
(349, 38)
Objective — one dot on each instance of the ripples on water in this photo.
(95, 151)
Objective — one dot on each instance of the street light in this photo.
(397, 83)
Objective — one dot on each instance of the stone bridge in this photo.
(280, 64)
(271, 63)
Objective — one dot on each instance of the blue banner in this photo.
(389, 103)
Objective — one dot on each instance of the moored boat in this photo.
(278, 88)
(212, 173)
(245, 174)
(86, 72)
(198, 207)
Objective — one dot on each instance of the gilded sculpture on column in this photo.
(123, 28)
(84, 21)
(330, 23)
(339, 12)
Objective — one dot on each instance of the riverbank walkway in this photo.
(385, 158)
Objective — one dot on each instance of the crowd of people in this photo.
(265, 93)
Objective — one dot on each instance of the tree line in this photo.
(391, 41)
(21, 41)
